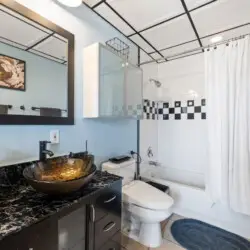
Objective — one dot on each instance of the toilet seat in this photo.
(146, 196)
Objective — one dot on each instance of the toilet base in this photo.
(146, 233)
(150, 234)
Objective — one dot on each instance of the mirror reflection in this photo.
(33, 68)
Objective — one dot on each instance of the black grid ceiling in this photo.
(31, 48)
(154, 51)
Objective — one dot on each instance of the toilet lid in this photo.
(147, 196)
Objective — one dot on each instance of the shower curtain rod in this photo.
(214, 45)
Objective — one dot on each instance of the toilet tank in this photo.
(125, 170)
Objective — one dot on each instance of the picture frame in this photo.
(12, 73)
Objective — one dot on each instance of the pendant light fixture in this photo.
(71, 3)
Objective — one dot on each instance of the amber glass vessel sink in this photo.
(62, 175)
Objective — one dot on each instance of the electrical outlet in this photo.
(54, 136)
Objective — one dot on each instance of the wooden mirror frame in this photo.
(45, 120)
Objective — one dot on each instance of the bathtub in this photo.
(189, 178)
(192, 201)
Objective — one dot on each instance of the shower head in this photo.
(156, 82)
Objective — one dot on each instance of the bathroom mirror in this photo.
(36, 68)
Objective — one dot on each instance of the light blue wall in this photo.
(106, 137)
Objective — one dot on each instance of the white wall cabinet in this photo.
(112, 87)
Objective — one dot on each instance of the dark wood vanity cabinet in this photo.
(105, 220)
(94, 225)
(41, 236)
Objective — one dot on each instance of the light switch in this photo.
(54, 136)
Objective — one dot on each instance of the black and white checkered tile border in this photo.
(182, 110)
(150, 110)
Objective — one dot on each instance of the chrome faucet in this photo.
(43, 152)
(150, 152)
(154, 163)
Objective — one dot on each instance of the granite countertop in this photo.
(21, 206)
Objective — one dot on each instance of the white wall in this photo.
(180, 76)
(179, 145)
(106, 137)
(182, 143)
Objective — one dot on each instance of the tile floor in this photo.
(168, 242)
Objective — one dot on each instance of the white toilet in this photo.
(146, 205)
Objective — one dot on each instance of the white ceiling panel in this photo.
(91, 2)
(108, 14)
(156, 56)
(144, 13)
(191, 4)
(46, 56)
(214, 17)
(171, 33)
(12, 44)
(179, 49)
(19, 31)
(161, 60)
(144, 57)
(20, 17)
(229, 34)
(221, 15)
(140, 42)
(61, 38)
(54, 47)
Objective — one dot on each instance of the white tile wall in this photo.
(182, 77)
(177, 144)
(183, 145)
(149, 138)
(150, 71)
(149, 128)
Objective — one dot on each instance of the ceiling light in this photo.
(216, 39)
(71, 3)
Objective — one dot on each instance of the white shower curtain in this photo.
(227, 73)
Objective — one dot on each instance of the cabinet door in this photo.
(133, 91)
(41, 236)
(112, 76)
(72, 230)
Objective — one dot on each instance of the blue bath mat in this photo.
(197, 235)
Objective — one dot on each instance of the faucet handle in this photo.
(45, 142)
